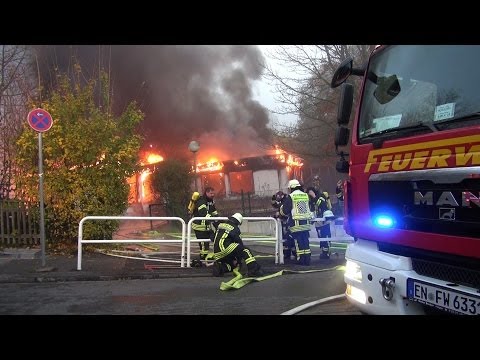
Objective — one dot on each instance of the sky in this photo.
(264, 92)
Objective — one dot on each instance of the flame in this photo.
(143, 189)
(238, 163)
(283, 156)
(150, 157)
(293, 161)
(154, 158)
(211, 165)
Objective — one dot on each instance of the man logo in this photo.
(446, 214)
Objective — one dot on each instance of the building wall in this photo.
(266, 182)
(215, 180)
(283, 177)
(241, 181)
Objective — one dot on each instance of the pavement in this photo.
(25, 266)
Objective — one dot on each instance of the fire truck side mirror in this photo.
(345, 104)
(342, 166)
(344, 70)
(342, 135)
(342, 73)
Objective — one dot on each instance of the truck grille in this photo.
(417, 203)
(450, 273)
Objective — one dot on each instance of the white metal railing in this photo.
(278, 234)
(187, 235)
(83, 241)
(336, 237)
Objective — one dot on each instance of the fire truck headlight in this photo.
(353, 271)
(356, 294)
(383, 221)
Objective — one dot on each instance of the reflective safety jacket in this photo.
(227, 239)
(296, 208)
(339, 193)
(319, 205)
(325, 195)
(204, 207)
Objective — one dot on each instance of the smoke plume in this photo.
(201, 93)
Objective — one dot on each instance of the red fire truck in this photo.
(412, 197)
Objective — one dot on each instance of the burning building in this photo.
(260, 175)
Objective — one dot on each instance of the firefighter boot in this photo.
(287, 254)
(218, 269)
(306, 260)
(254, 269)
(302, 260)
(324, 246)
(196, 263)
(325, 254)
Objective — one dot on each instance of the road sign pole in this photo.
(40, 120)
(42, 211)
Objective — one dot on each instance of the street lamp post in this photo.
(194, 146)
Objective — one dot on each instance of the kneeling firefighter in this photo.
(229, 251)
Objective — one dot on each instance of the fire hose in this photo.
(239, 281)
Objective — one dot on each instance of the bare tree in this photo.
(304, 89)
(16, 84)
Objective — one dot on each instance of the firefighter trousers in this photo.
(204, 245)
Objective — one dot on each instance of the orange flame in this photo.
(291, 160)
(154, 158)
(211, 165)
(144, 192)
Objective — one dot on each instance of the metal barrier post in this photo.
(182, 261)
(80, 236)
(81, 241)
(281, 259)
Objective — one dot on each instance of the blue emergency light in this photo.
(383, 221)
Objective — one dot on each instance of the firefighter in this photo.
(340, 197)
(204, 207)
(229, 251)
(317, 186)
(319, 206)
(288, 241)
(297, 209)
(339, 190)
(325, 228)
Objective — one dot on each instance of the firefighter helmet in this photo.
(238, 217)
(293, 184)
(328, 214)
(279, 195)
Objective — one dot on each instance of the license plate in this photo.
(443, 298)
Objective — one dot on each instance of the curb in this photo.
(69, 278)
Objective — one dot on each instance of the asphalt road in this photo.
(180, 296)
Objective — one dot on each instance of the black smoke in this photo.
(187, 92)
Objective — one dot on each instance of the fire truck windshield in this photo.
(417, 88)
